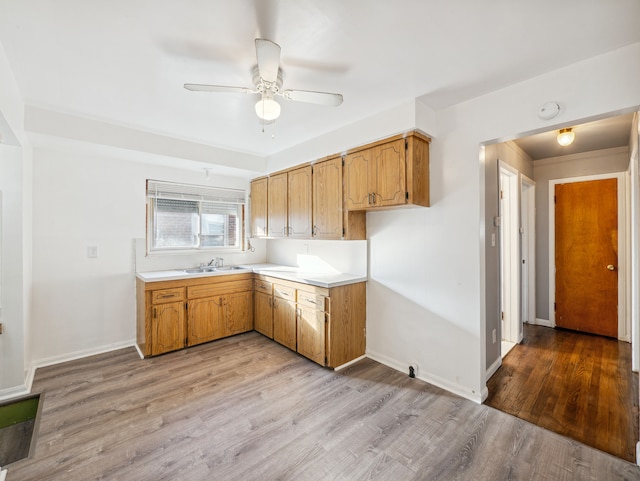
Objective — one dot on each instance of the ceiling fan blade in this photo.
(219, 88)
(320, 98)
(268, 55)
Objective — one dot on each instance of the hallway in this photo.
(577, 385)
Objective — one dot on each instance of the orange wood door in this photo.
(299, 203)
(277, 205)
(586, 254)
(327, 199)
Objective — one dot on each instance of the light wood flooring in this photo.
(245, 408)
(575, 384)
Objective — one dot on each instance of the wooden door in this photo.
(390, 170)
(284, 322)
(327, 199)
(357, 180)
(311, 333)
(263, 314)
(258, 213)
(238, 308)
(299, 203)
(168, 327)
(205, 321)
(277, 205)
(586, 253)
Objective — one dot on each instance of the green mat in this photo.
(18, 411)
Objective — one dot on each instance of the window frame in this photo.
(201, 195)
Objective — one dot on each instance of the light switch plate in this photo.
(92, 252)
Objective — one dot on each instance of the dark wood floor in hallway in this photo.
(578, 385)
(245, 408)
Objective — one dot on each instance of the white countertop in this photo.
(289, 273)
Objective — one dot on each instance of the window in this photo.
(182, 216)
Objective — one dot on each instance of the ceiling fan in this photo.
(267, 78)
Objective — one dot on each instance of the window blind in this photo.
(157, 189)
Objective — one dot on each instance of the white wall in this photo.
(15, 222)
(83, 305)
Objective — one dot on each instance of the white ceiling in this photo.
(125, 61)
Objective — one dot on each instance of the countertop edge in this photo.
(304, 278)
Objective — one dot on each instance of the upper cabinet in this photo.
(327, 199)
(258, 212)
(277, 205)
(389, 173)
(289, 203)
(299, 202)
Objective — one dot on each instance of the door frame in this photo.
(528, 253)
(624, 325)
(509, 229)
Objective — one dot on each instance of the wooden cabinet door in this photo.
(238, 308)
(299, 202)
(277, 205)
(168, 327)
(390, 174)
(311, 334)
(284, 322)
(263, 310)
(356, 180)
(327, 199)
(258, 212)
(205, 320)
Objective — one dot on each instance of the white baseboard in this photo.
(72, 356)
(12, 392)
(454, 388)
(491, 370)
(544, 322)
(638, 453)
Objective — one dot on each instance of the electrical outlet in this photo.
(493, 334)
(413, 369)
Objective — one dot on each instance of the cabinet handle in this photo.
(312, 301)
(166, 296)
(373, 195)
(155, 313)
(369, 198)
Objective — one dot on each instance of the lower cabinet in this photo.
(311, 330)
(284, 314)
(168, 327)
(174, 314)
(263, 308)
(326, 325)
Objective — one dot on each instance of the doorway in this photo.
(510, 279)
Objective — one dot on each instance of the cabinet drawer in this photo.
(264, 286)
(210, 290)
(284, 292)
(313, 301)
(167, 295)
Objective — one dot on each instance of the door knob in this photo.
(611, 267)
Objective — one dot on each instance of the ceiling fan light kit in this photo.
(267, 109)
(267, 78)
(566, 137)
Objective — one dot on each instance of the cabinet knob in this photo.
(611, 267)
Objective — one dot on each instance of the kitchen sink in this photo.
(200, 270)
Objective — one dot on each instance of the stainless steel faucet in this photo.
(216, 262)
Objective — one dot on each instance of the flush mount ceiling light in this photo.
(267, 109)
(565, 137)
